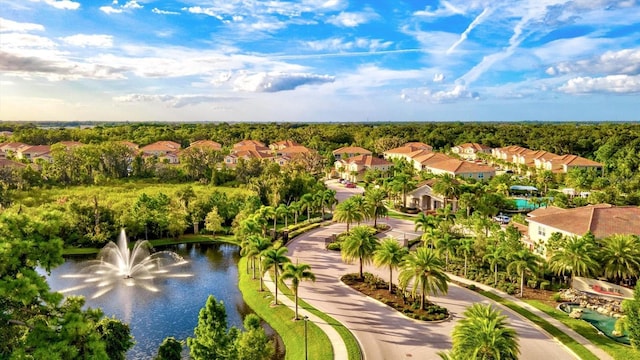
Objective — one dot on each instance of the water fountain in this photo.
(116, 265)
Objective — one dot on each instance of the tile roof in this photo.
(210, 144)
(36, 149)
(10, 163)
(352, 150)
(475, 146)
(456, 166)
(13, 146)
(367, 160)
(248, 142)
(294, 150)
(161, 146)
(602, 220)
(575, 160)
(284, 144)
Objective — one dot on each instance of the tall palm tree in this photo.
(283, 211)
(362, 206)
(329, 198)
(577, 257)
(495, 256)
(347, 212)
(295, 208)
(360, 244)
(522, 262)
(375, 201)
(424, 222)
(465, 248)
(306, 202)
(483, 334)
(447, 246)
(424, 268)
(297, 273)
(258, 244)
(447, 186)
(389, 253)
(621, 257)
(275, 258)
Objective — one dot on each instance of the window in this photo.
(542, 231)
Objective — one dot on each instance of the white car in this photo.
(502, 219)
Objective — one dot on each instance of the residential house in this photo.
(603, 220)
(515, 156)
(164, 150)
(461, 168)
(565, 163)
(423, 197)
(353, 168)
(5, 163)
(349, 151)
(251, 143)
(279, 145)
(247, 149)
(405, 151)
(206, 144)
(12, 148)
(470, 151)
(35, 152)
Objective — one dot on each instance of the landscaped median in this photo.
(292, 332)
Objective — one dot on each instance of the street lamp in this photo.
(306, 356)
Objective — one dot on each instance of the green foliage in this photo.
(360, 245)
(117, 337)
(211, 338)
(425, 270)
(253, 343)
(170, 349)
(632, 310)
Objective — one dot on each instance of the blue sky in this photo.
(320, 60)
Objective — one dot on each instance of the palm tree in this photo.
(375, 201)
(424, 222)
(522, 262)
(447, 186)
(347, 211)
(283, 211)
(275, 258)
(360, 244)
(362, 206)
(295, 207)
(306, 202)
(495, 255)
(446, 246)
(621, 257)
(258, 244)
(483, 334)
(467, 201)
(389, 253)
(424, 268)
(465, 248)
(297, 273)
(329, 198)
(575, 257)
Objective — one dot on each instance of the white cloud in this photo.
(129, 5)
(82, 40)
(438, 77)
(446, 9)
(458, 92)
(204, 11)
(164, 12)
(341, 44)
(110, 10)
(13, 26)
(62, 4)
(173, 101)
(625, 62)
(15, 41)
(275, 82)
(620, 84)
(353, 19)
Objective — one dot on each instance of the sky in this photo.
(320, 60)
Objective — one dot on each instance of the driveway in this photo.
(383, 332)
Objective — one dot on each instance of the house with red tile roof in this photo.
(248, 149)
(254, 143)
(349, 151)
(5, 163)
(279, 145)
(353, 168)
(12, 147)
(206, 144)
(470, 151)
(407, 151)
(603, 220)
(541, 159)
(461, 168)
(35, 152)
(164, 150)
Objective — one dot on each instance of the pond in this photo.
(173, 311)
(605, 324)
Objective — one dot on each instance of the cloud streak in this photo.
(276, 82)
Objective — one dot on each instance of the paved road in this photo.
(383, 332)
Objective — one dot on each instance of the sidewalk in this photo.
(339, 347)
(601, 354)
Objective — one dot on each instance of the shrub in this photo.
(472, 287)
(556, 297)
(532, 283)
(335, 246)
(544, 285)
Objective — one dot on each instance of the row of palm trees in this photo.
(422, 269)
(359, 208)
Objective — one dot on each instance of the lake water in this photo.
(173, 311)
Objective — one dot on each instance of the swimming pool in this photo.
(524, 204)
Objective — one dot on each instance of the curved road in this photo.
(383, 332)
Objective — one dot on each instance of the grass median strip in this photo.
(353, 349)
(565, 339)
(615, 349)
(280, 319)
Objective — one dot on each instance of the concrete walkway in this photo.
(601, 354)
(339, 347)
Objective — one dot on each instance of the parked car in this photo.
(342, 181)
(350, 185)
(502, 219)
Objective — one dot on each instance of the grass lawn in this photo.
(185, 239)
(615, 349)
(353, 348)
(280, 319)
(576, 347)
